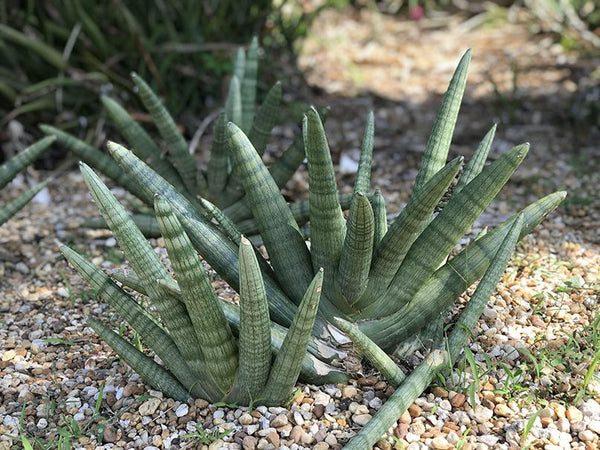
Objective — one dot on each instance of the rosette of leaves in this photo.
(12, 167)
(196, 335)
(394, 282)
(218, 183)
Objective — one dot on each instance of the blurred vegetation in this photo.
(58, 57)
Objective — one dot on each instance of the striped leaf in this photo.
(255, 329)
(436, 150)
(280, 233)
(477, 162)
(173, 140)
(218, 165)
(145, 222)
(153, 374)
(233, 103)
(452, 279)
(248, 86)
(402, 233)
(472, 311)
(94, 158)
(266, 118)
(286, 367)
(432, 247)
(21, 160)
(147, 265)
(363, 174)
(286, 165)
(239, 63)
(136, 316)
(17, 204)
(211, 327)
(215, 247)
(141, 142)
(380, 217)
(376, 356)
(355, 258)
(37, 46)
(327, 224)
(400, 400)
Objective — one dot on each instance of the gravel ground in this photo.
(532, 349)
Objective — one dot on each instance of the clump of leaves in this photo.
(201, 355)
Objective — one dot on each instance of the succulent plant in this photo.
(201, 355)
(12, 167)
(218, 183)
(387, 286)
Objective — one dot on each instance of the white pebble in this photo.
(182, 410)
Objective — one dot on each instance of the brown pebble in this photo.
(401, 430)
(380, 385)
(405, 418)
(458, 400)
(273, 438)
(110, 435)
(296, 434)
(440, 392)
(383, 444)
(414, 410)
(367, 381)
(318, 410)
(249, 443)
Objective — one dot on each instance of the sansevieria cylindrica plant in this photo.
(394, 281)
(12, 167)
(195, 340)
(217, 182)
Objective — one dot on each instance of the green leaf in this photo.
(405, 229)
(37, 46)
(355, 258)
(153, 374)
(94, 158)
(477, 162)
(17, 204)
(380, 217)
(286, 366)
(266, 118)
(218, 165)
(382, 362)
(400, 400)
(21, 160)
(146, 223)
(141, 142)
(174, 141)
(281, 235)
(473, 310)
(436, 150)
(363, 175)
(146, 264)
(233, 103)
(248, 87)
(255, 330)
(327, 224)
(136, 316)
(452, 279)
(210, 326)
(432, 247)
